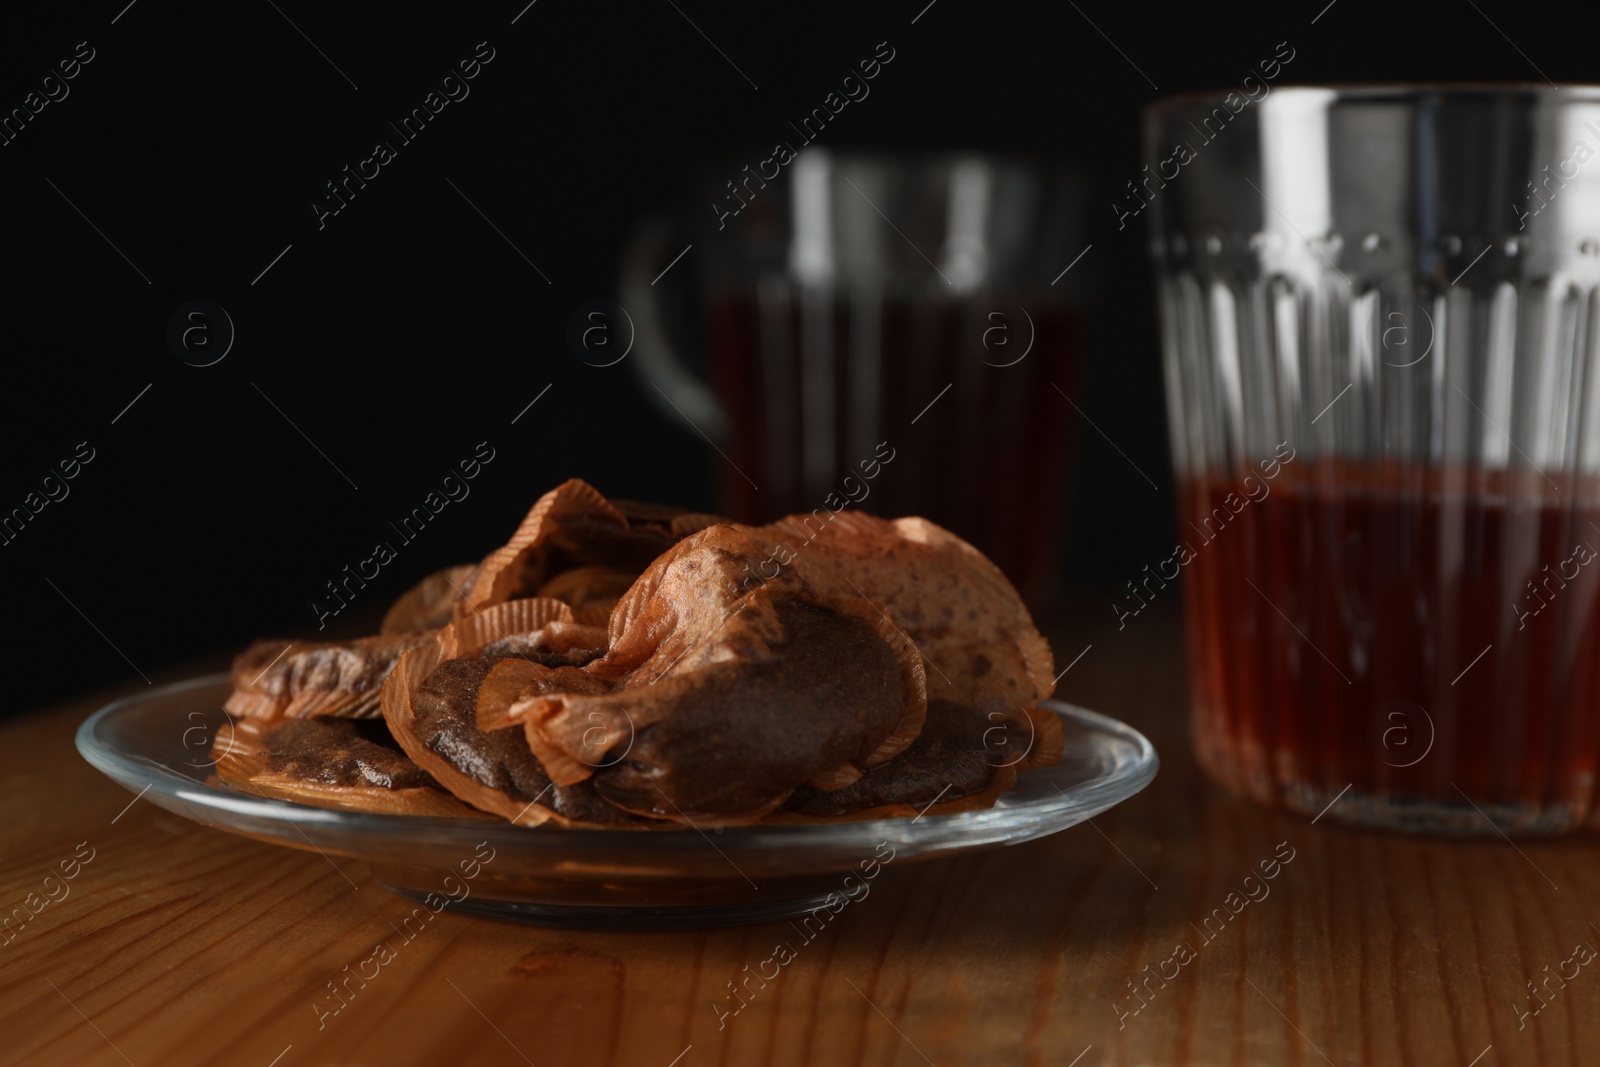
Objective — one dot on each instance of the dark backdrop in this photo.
(378, 351)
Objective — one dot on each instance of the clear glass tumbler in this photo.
(1379, 328)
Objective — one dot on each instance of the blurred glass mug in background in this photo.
(879, 332)
(1379, 327)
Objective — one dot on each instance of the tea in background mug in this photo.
(869, 312)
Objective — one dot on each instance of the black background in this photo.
(407, 330)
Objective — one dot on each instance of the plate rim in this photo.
(946, 832)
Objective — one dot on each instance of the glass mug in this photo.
(1379, 323)
(863, 305)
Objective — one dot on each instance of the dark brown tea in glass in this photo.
(1399, 627)
(1409, 632)
(911, 316)
(987, 460)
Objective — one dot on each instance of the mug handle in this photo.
(667, 383)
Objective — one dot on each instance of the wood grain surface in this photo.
(176, 944)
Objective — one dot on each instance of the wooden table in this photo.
(177, 944)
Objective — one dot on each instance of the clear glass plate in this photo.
(158, 743)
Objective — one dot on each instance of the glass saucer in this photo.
(158, 743)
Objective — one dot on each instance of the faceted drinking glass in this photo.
(1379, 321)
